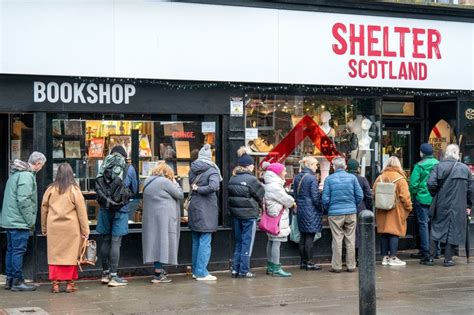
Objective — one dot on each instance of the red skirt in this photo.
(62, 273)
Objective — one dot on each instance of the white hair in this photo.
(36, 157)
(452, 151)
(339, 163)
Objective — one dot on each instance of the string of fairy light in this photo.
(282, 88)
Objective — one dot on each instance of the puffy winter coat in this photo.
(203, 208)
(245, 195)
(308, 201)
(394, 221)
(20, 200)
(277, 198)
(419, 177)
(451, 201)
(342, 193)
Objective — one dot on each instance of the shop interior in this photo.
(352, 125)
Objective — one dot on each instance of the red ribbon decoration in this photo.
(306, 127)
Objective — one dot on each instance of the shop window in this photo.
(391, 108)
(349, 125)
(84, 144)
(21, 136)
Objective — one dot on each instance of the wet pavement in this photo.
(413, 289)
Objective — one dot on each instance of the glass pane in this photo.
(397, 143)
(21, 136)
(85, 143)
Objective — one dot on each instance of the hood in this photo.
(307, 170)
(395, 170)
(271, 178)
(19, 166)
(199, 167)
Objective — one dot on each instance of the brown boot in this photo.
(71, 287)
(55, 287)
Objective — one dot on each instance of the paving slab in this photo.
(413, 289)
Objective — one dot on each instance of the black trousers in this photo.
(306, 246)
(110, 252)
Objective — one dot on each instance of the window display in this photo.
(21, 139)
(84, 143)
(287, 128)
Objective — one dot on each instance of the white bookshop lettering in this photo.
(92, 93)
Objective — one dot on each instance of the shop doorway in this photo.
(401, 140)
(442, 128)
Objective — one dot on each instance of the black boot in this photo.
(20, 285)
(303, 264)
(8, 283)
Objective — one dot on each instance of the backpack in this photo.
(112, 194)
(385, 194)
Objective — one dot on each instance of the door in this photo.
(399, 142)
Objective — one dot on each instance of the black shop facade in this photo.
(78, 120)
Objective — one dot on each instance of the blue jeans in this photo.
(244, 232)
(388, 243)
(201, 253)
(17, 241)
(422, 217)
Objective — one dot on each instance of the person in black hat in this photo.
(245, 195)
(353, 167)
(422, 200)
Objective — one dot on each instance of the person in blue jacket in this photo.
(309, 210)
(341, 197)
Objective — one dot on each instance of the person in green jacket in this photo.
(18, 217)
(422, 200)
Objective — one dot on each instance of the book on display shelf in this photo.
(72, 149)
(73, 127)
(96, 148)
(58, 149)
(182, 149)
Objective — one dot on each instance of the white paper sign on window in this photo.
(208, 126)
(237, 106)
(251, 133)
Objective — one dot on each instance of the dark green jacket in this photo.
(20, 201)
(419, 177)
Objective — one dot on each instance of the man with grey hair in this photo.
(341, 195)
(18, 217)
(451, 185)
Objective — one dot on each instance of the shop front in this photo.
(374, 87)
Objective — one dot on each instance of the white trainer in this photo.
(209, 277)
(394, 261)
(385, 261)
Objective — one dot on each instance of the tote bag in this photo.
(269, 224)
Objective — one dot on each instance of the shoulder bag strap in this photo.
(396, 180)
(299, 184)
(148, 184)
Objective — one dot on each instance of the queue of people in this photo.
(440, 192)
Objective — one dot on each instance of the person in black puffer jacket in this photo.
(309, 210)
(245, 195)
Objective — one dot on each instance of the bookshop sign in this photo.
(82, 93)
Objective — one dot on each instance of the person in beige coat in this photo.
(64, 222)
(391, 224)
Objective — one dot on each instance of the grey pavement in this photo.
(413, 289)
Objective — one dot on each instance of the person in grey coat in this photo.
(161, 220)
(205, 178)
(451, 184)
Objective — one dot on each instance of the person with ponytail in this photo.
(309, 211)
(276, 201)
(245, 195)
